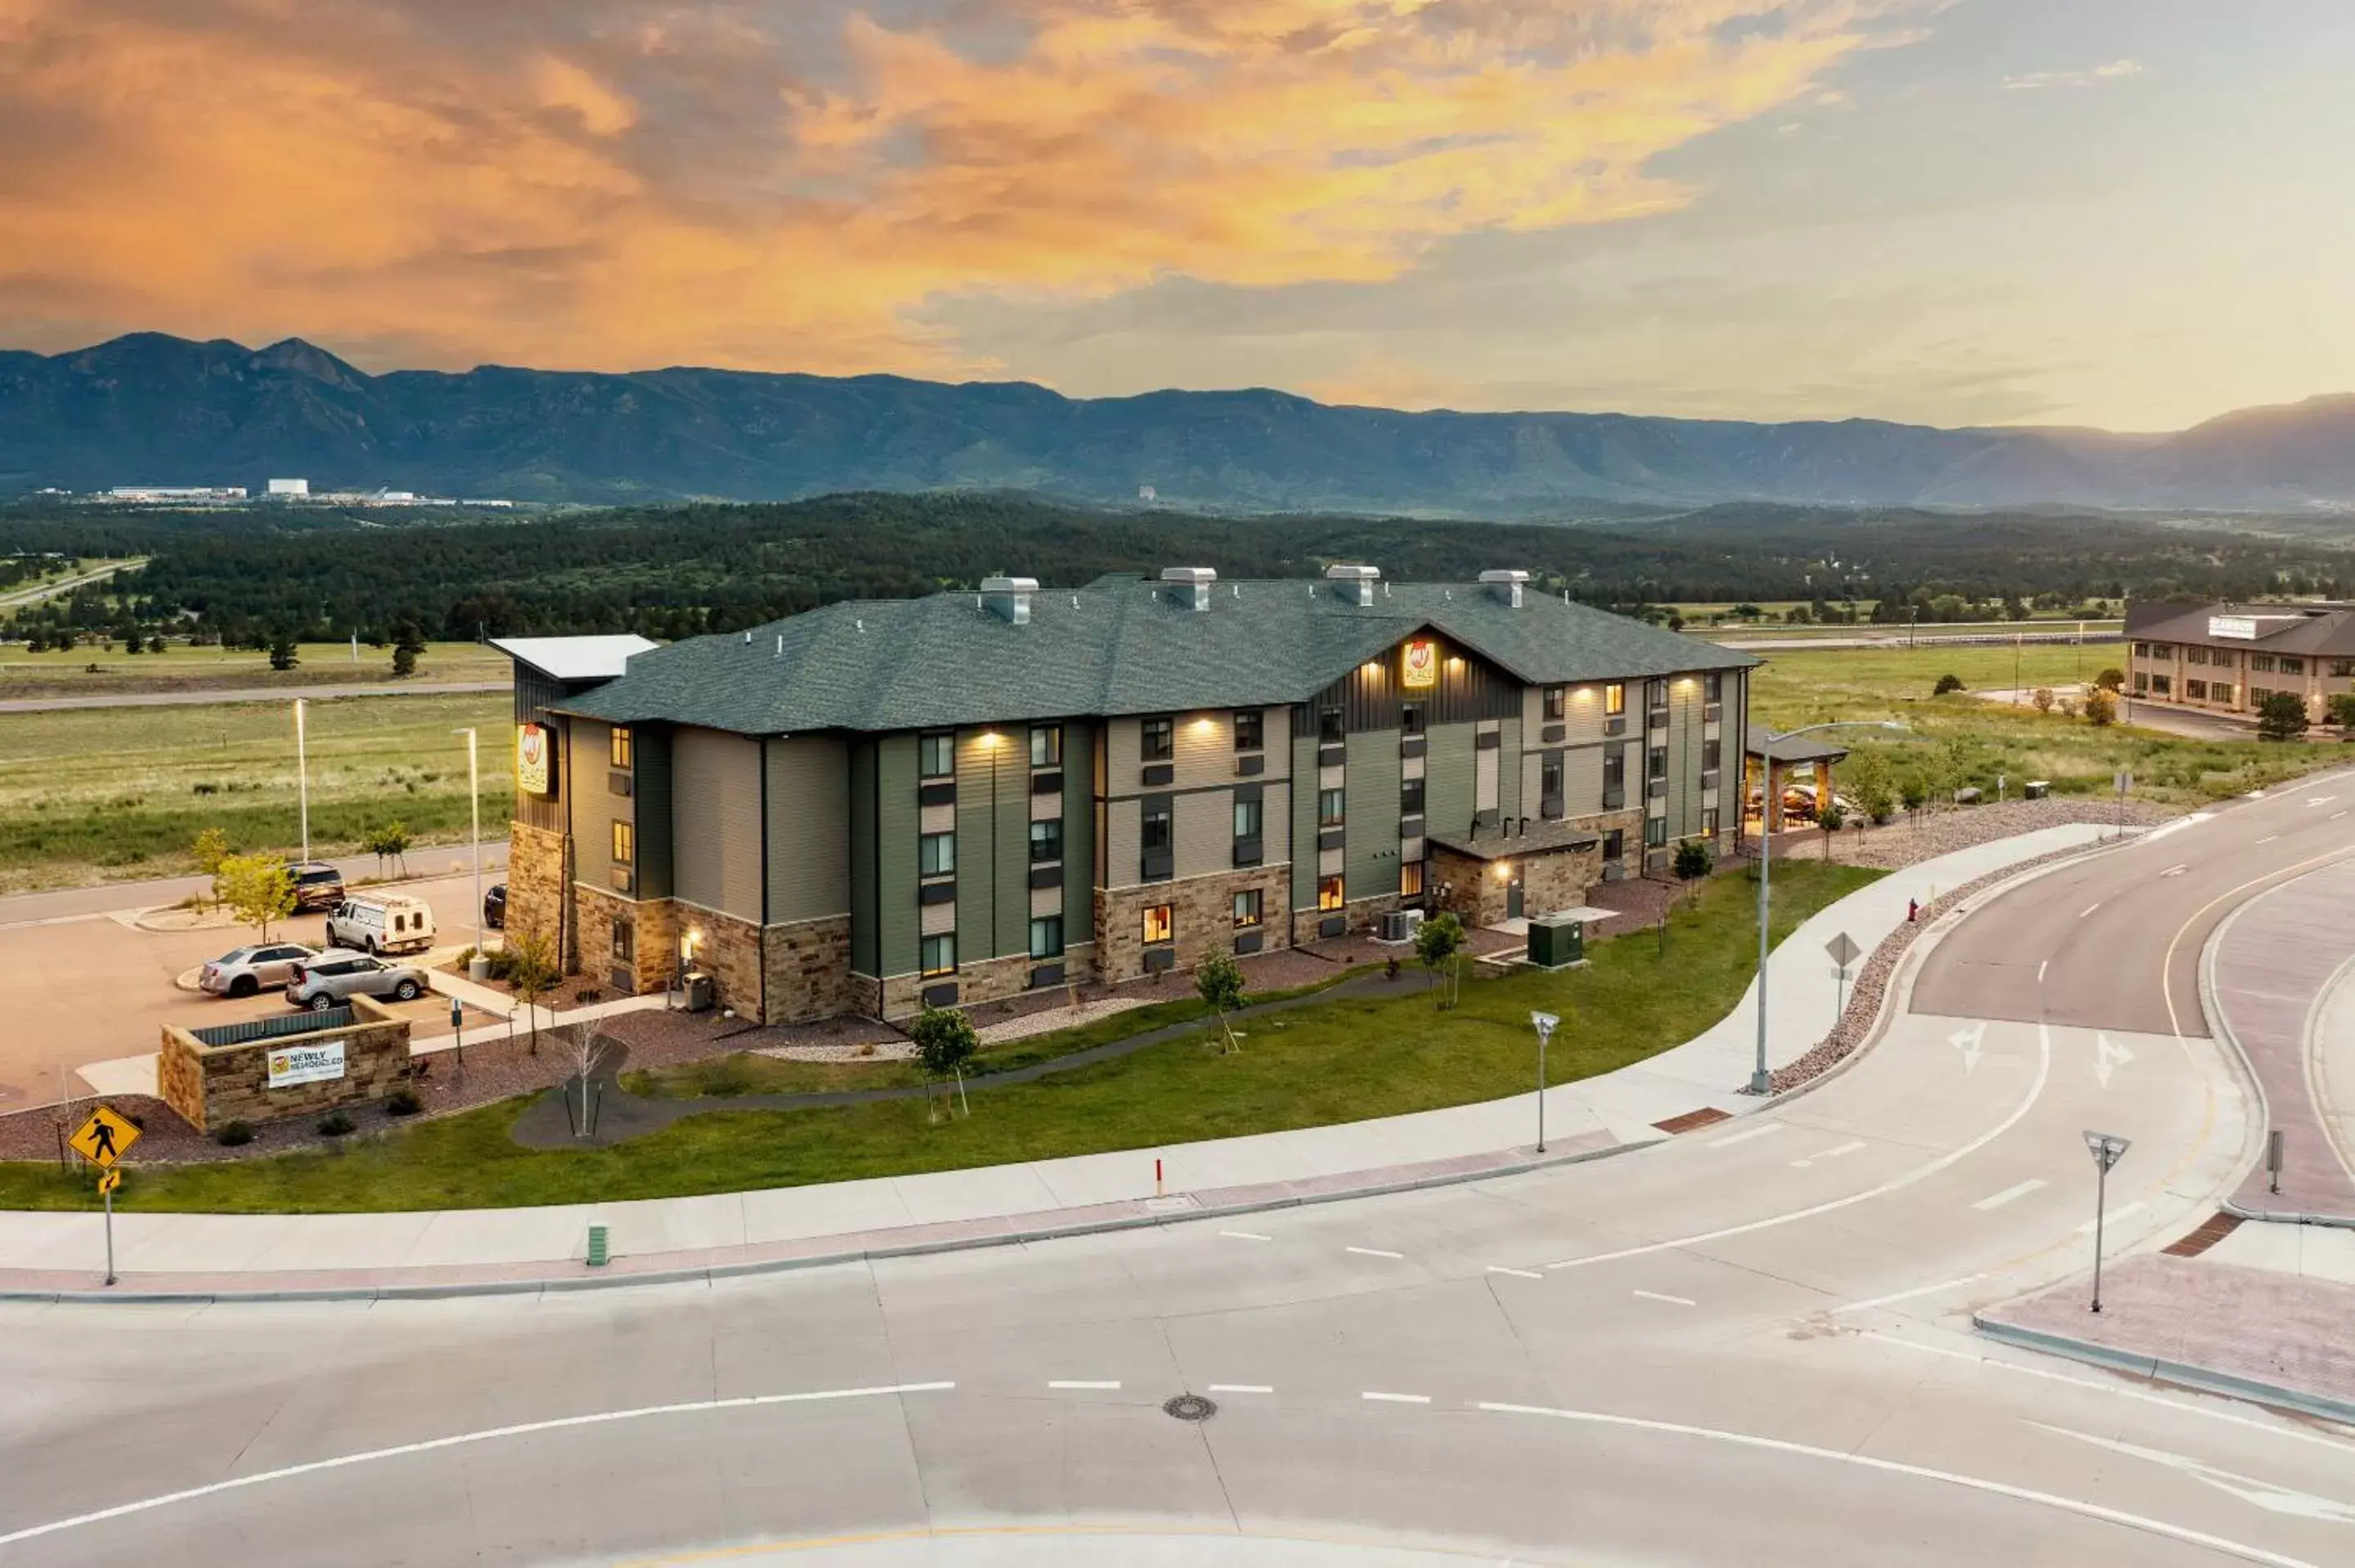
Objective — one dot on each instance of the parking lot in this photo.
(95, 988)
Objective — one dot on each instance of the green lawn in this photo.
(1806, 686)
(1311, 1067)
(96, 794)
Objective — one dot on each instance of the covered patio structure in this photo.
(1771, 765)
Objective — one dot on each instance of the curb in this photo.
(2159, 1369)
(709, 1272)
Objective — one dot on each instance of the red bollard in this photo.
(1156, 1178)
(1911, 910)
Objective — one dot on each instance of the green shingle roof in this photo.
(1120, 645)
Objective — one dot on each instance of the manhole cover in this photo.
(1190, 1407)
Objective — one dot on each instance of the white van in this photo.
(381, 923)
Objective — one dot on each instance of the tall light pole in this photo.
(475, 796)
(1545, 1022)
(1761, 1081)
(303, 777)
(2106, 1147)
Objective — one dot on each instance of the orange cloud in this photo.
(614, 183)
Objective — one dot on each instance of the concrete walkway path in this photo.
(498, 1249)
(2281, 986)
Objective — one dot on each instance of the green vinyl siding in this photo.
(895, 854)
(993, 829)
(1012, 879)
(1508, 771)
(1304, 822)
(1078, 834)
(809, 865)
(650, 790)
(863, 950)
(1684, 755)
(1372, 860)
(1448, 781)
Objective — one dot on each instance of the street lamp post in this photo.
(303, 777)
(475, 796)
(2106, 1147)
(1545, 1022)
(1761, 1081)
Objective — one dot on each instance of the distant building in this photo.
(1147, 494)
(2228, 658)
(290, 487)
(182, 493)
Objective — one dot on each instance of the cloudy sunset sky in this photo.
(2128, 213)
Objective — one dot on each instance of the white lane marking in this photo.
(2108, 1057)
(2040, 968)
(1380, 1398)
(2320, 800)
(1672, 1300)
(1954, 1157)
(1374, 1252)
(2008, 1193)
(2113, 1218)
(2336, 815)
(462, 1439)
(1242, 1388)
(1516, 1273)
(2175, 871)
(1245, 1235)
(2278, 1428)
(1834, 1152)
(1746, 1135)
(2166, 960)
(2268, 838)
(1895, 1297)
(1082, 1382)
(2088, 909)
(2266, 1495)
(1919, 1472)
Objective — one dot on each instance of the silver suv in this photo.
(243, 971)
(333, 977)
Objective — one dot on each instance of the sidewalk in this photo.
(442, 1252)
(2277, 979)
(60, 905)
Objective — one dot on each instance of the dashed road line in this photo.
(1113, 1386)
(2268, 838)
(1380, 1398)
(1516, 1273)
(1672, 1300)
(2040, 969)
(1746, 1135)
(2174, 870)
(2008, 1193)
(2088, 909)
(1374, 1252)
(1242, 1388)
(1892, 1300)
(1834, 1152)
(1245, 1235)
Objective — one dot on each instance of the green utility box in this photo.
(1557, 941)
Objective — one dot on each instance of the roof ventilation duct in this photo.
(1190, 585)
(1505, 586)
(1008, 599)
(1356, 584)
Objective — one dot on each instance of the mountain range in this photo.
(154, 409)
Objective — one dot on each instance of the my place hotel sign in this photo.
(1419, 664)
(535, 759)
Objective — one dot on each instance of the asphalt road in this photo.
(1741, 1346)
(216, 694)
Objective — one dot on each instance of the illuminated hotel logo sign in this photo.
(2243, 627)
(1422, 663)
(532, 770)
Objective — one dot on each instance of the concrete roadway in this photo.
(214, 694)
(1740, 1346)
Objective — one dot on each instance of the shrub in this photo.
(1946, 683)
(334, 1124)
(1914, 793)
(2102, 709)
(2042, 698)
(233, 1134)
(403, 1102)
(2342, 710)
(2281, 717)
(2111, 679)
(1693, 860)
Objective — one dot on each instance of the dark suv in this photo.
(318, 885)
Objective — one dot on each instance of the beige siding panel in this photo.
(1205, 746)
(1046, 901)
(1582, 712)
(809, 829)
(716, 817)
(1332, 862)
(1509, 782)
(1412, 767)
(1205, 829)
(1120, 753)
(1581, 781)
(936, 818)
(936, 919)
(1275, 824)
(595, 807)
(1123, 831)
(1331, 777)
(1483, 781)
(1533, 784)
(1047, 808)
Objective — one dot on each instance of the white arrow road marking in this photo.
(2108, 1057)
(1834, 1152)
(2336, 815)
(2320, 800)
(2008, 1193)
(2268, 838)
(2265, 1494)
(1917, 1472)
(1969, 1041)
(2175, 871)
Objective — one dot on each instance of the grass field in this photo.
(1800, 687)
(96, 794)
(1312, 1066)
(54, 671)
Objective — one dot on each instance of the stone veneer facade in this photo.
(1552, 880)
(535, 886)
(654, 943)
(211, 1085)
(1202, 913)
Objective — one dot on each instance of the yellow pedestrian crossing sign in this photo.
(104, 1138)
(109, 1183)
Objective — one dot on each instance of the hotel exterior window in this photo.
(1155, 829)
(1615, 768)
(937, 954)
(1410, 879)
(1158, 739)
(1329, 726)
(1329, 893)
(1549, 785)
(1247, 908)
(2196, 691)
(1158, 927)
(2264, 661)
(1046, 842)
(1614, 843)
(2218, 692)
(1656, 697)
(1047, 746)
(1657, 767)
(1614, 699)
(625, 844)
(1247, 817)
(1047, 936)
(936, 755)
(1708, 821)
(1331, 808)
(936, 854)
(1655, 832)
(1410, 719)
(1251, 729)
(2160, 685)
(2293, 666)
(625, 942)
(1711, 753)
(1553, 696)
(1712, 687)
(2195, 655)
(1411, 797)
(617, 746)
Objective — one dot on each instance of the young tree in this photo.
(1829, 815)
(945, 1044)
(533, 970)
(1221, 981)
(210, 847)
(2281, 717)
(1693, 862)
(1871, 780)
(2111, 678)
(1437, 942)
(2101, 708)
(390, 844)
(2343, 713)
(282, 651)
(259, 888)
(584, 1048)
(1946, 683)
(408, 642)
(2043, 699)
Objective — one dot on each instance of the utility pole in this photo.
(474, 795)
(303, 777)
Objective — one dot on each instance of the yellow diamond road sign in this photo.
(104, 1138)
